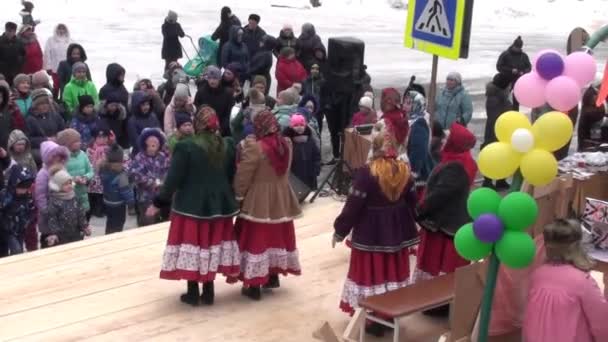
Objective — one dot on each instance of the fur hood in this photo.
(16, 136)
(103, 111)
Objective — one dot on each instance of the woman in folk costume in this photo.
(265, 226)
(393, 121)
(380, 213)
(201, 238)
(419, 141)
(444, 209)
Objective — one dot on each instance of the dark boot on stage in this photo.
(192, 296)
(253, 292)
(208, 295)
(273, 282)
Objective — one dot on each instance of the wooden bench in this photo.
(421, 296)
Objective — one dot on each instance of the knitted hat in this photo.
(182, 91)
(366, 102)
(115, 154)
(41, 96)
(213, 72)
(20, 78)
(150, 132)
(79, 66)
(259, 79)
(182, 118)
(67, 137)
(58, 177)
(518, 42)
(172, 16)
(85, 100)
(455, 76)
(254, 17)
(40, 79)
(297, 120)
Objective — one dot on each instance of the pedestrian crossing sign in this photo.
(439, 27)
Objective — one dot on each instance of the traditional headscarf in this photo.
(392, 174)
(206, 127)
(458, 148)
(395, 119)
(274, 146)
(418, 105)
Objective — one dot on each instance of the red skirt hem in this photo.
(437, 254)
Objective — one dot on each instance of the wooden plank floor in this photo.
(107, 289)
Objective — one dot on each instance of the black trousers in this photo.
(116, 216)
(338, 113)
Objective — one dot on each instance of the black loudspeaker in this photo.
(299, 188)
(345, 63)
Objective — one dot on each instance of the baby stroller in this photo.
(206, 55)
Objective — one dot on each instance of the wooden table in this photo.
(356, 148)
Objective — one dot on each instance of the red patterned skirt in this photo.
(198, 249)
(374, 273)
(266, 249)
(436, 255)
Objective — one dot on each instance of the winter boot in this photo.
(273, 282)
(253, 292)
(192, 296)
(208, 295)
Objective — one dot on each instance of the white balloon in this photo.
(522, 140)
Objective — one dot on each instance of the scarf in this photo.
(458, 149)
(397, 124)
(274, 146)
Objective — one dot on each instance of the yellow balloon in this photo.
(539, 167)
(508, 122)
(552, 131)
(498, 160)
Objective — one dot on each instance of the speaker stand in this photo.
(336, 179)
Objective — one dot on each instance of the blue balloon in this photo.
(550, 65)
(488, 228)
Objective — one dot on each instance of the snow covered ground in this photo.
(128, 31)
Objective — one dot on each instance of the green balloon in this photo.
(518, 211)
(516, 249)
(468, 246)
(483, 201)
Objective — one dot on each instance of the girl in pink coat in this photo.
(564, 302)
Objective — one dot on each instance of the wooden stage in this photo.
(108, 289)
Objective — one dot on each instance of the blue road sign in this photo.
(435, 21)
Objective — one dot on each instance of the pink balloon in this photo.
(540, 53)
(530, 90)
(581, 67)
(563, 93)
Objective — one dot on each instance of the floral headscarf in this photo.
(206, 127)
(206, 120)
(273, 144)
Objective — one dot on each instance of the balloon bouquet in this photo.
(524, 152)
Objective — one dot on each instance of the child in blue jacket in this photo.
(117, 190)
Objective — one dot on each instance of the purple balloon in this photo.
(488, 228)
(550, 65)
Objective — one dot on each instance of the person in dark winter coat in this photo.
(5, 162)
(148, 171)
(67, 220)
(86, 121)
(9, 120)
(12, 52)
(18, 212)
(172, 31)
(211, 93)
(309, 47)
(314, 82)
(286, 39)
(115, 84)
(235, 51)
(113, 115)
(117, 191)
(497, 103)
(253, 35)
(261, 61)
(26, 14)
(158, 104)
(42, 123)
(419, 140)
(141, 118)
(289, 70)
(513, 63)
(591, 128)
(260, 84)
(75, 53)
(222, 32)
(174, 75)
(306, 162)
(33, 51)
